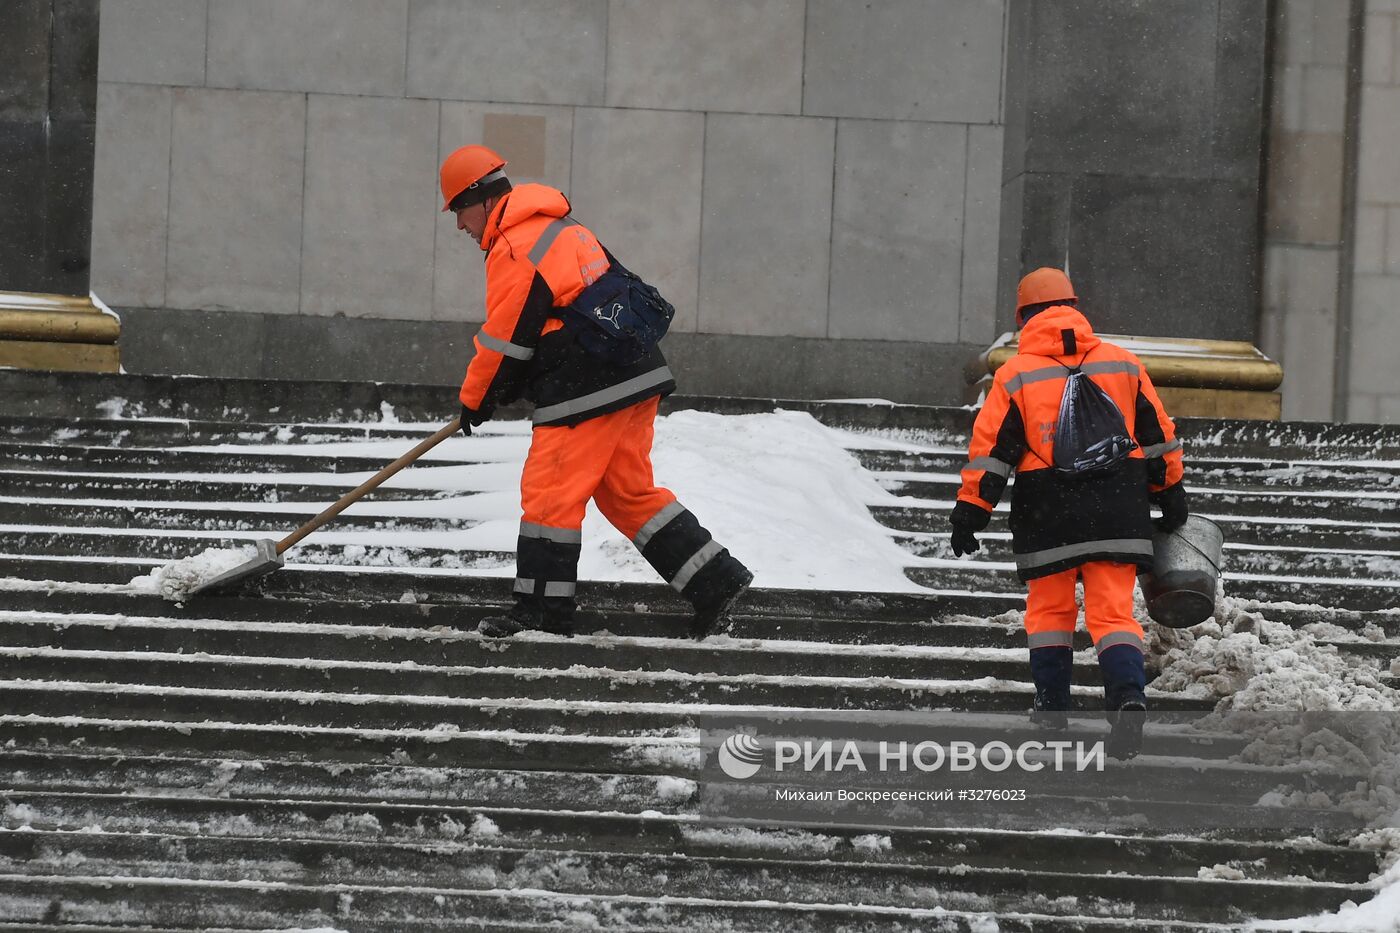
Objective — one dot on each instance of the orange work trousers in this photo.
(1051, 611)
(606, 459)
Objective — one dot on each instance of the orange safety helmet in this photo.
(471, 168)
(1041, 286)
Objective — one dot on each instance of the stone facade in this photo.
(48, 112)
(1306, 190)
(838, 197)
(277, 158)
(1373, 329)
(1332, 224)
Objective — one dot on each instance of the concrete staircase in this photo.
(335, 747)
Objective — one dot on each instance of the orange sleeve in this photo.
(998, 444)
(1156, 435)
(518, 305)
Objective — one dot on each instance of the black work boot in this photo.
(527, 614)
(713, 592)
(689, 559)
(1125, 737)
(1124, 682)
(1051, 669)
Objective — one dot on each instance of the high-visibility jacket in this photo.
(1059, 521)
(538, 259)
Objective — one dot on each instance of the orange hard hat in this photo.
(473, 167)
(1042, 285)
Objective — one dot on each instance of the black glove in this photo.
(967, 519)
(1172, 502)
(470, 416)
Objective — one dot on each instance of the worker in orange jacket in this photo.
(593, 419)
(1063, 527)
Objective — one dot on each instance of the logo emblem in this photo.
(611, 316)
(740, 756)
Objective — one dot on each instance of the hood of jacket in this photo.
(1044, 334)
(519, 205)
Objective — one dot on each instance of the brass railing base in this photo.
(60, 357)
(1247, 405)
(67, 333)
(1195, 378)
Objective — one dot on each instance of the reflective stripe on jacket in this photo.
(1058, 522)
(538, 259)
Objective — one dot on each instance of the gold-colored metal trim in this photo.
(60, 357)
(59, 326)
(1202, 364)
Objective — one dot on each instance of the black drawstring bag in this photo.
(1091, 438)
(619, 318)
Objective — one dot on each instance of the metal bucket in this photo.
(1180, 590)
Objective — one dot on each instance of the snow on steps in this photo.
(324, 787)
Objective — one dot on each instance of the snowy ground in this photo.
(785, 495)
(779, 490)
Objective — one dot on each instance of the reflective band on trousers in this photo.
(658, 521)
(546, 240)
(1014, 384)
(1050, 640)
(1054, 555)
(606, 396)
(991, 465)
(699, 559)
(1113, 639)
(552, 588)
(504, 347)
(561, 535)
(1161, 450)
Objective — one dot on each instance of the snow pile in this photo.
(174, 581)
(1381, 914)
(1251, 663)
(779, 490)
(1260, 670)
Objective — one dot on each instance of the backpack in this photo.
(1091, 438)
(619, 318)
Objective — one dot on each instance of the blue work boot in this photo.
(1051, 669)
(1125, 699)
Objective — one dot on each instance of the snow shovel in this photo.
(269, 553)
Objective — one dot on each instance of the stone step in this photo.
(587, 872)
(98, 460)
(405, 798)
(1161, 792)
(174, 432)
(159, 546)
(394, 711)
(1361, 506)
(301, 587)
(183, 903)
(766, 686)
(175, 516)
(30, 484)
(291, 814)
(1263, 531)
(951, 622)
(1365, 594)
(1247, 559)
(942, 468)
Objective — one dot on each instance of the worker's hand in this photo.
(964, 541)
(468, 416)
(967, 519)
(1172, 502)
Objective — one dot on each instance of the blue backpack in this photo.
(619, 318)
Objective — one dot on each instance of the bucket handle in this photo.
(1189, 543)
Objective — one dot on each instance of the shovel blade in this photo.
(265, 561)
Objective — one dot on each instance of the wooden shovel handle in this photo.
(358, 492)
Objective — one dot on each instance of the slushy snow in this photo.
(174, 581)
